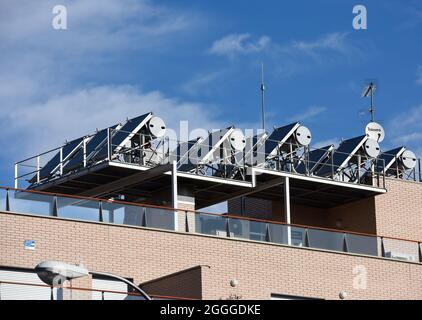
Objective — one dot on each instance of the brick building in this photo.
(287, 233)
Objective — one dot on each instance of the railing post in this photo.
(186, 222)
(227, 228)
(345, 245)
(109, 148)
(7, 200)
(84, 151)
(144, 217)
(16, 175)
(102, 295)
(267, 233)
(38, 169)
(332, 164)
(51, 293)
(382, 247)
(100, 212)
(306, 244)
(420, 252)
(54, 207)
(419, 168)
(61, 160)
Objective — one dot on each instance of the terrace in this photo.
(116, 212)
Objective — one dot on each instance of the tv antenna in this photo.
(262, 96)
(369, 91)
(373, 129)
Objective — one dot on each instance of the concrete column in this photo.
(287, 208)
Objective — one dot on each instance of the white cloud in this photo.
(333, 41)
(233, 44)
(112, 25)
(45, 95)
(38, 60)
(287, 59)
(406, 129)
(407, 138)
(199, 83)
(308, 114)
(39, 127)
(419, 75)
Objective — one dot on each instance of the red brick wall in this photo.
(261, 269)
(186, 283)
(399, 211)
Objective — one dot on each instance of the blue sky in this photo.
(200, 61)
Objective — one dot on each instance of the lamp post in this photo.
(55, 273)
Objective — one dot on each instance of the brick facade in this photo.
(186, 283)
(399, 211)
(261, 269)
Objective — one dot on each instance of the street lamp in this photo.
(55, 273)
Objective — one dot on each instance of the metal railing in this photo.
(226, 163)
(10, 290)
(226, 226)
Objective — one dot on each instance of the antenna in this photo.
(369, 91)
(262, 96)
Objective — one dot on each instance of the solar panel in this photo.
(120, 136)
(54, 162)
(93, 144)
(183, 153)
(279, 135)
(214, 140)
(342, 155)
(315, 158)
(254, 146)
(388, 158)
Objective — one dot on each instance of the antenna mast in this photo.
(370, 90)
(262, 96)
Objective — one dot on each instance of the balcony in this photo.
(118, 212)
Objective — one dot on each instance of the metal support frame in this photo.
(109, 146)
(345, 243)
(287, 209)
(267, 233)
(38, 168)
(7, 201)
(228, 228)
(382, 247)
(100, 212)
(306, 242)
(54, 207)
(144, 222)
(16, 176)
(61, 160)
(174, 193)
(187, 230)
(84, 152)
